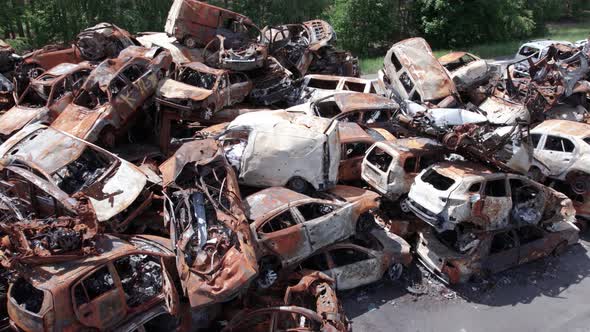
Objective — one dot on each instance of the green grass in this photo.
(566, 31)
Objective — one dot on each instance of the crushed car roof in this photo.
(267, 200)
(349, 102)
(575, 129)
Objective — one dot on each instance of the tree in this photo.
(362, 25)
(455, 23)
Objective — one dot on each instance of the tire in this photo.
(580, 184)
(395, 271)
(403, 205)
(190, 42)
(298, 185)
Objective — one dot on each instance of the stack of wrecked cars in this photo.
(219, 176)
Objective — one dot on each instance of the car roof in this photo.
(571, 128)
(352, 132)
(51, 275)
(463, 169)
(453, 56)
(415, 145)
(545, 43)
(200, 67)
(349, 102)
(267, 200)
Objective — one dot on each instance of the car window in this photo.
(94, 286)
(395, 61)
(379, 159)
(134, 72)
(347, 256)
(59, 90)
(535, 139)
(528, 51)
(322, 84)
(282, 221)
(496, 188)
(351, 117)
(437, 180)
(116, 85)
(587, 140)
(141, 278)
(475, 187)
(428, 160)
(316, 262)
(352, 150)
(328, 109)
(502, 242)
(353, 86)
(406, 82)
(528, 234)
(410, 165)
(312, 211)
(559, 144)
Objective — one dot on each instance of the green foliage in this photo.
(450, 23)
(364, 24)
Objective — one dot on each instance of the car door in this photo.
(353, 266)
(98, 299)
(351, 160)
(492, 208)
(142, 83)
(503, 252)
(326, 223)
(239, 87)
(284, 236)
(557, 154)
(61, 97)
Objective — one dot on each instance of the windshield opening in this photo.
(437, 180)
(198, 79)
(36, 97)
(83, 172)
(91, 98)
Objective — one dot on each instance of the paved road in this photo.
(552, 294)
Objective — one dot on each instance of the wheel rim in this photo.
(404, 206)
(580, 185)
(267, 279)
(395, 271)
(190, 42)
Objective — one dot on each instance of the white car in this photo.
(562, 152)
(465, 196)
(535, 49)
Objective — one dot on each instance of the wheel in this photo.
(536, 175)
(107, 138)
(404, 206)
(267, 277)
(298, 184)
(190, 42)
(395, 271)
(580, 184)
(208, 113)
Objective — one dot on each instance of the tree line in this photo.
(363, 26)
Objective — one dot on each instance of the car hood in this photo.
(77, 120)
(171, 89)
(18, 117)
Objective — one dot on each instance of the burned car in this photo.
(355, 143)
(562, 152)
(6, 94)
(278, 148)
(45, 97)
(104, 40)
(412, 71)
(215, 254)
(314, 87)
(198, 92)
(271, 85)
(289, 227)
(491, 252)
(127, 277)
(467, 70)
(307, 48)
(363, 259)
(464, 196)
(117, 189)
(229, 40)
(363, 108)
(306, 302)
(113, 94)
(390, 167)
